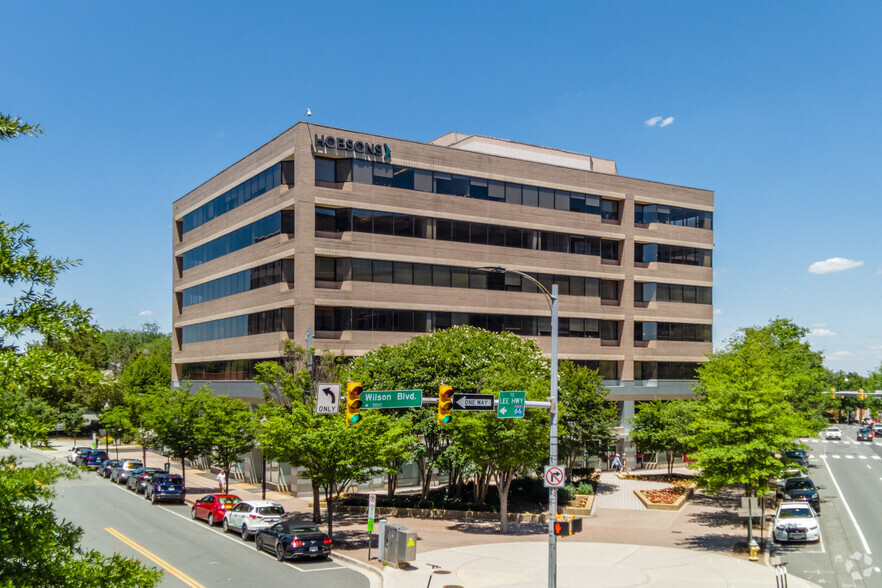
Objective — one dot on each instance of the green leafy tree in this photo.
(754, 401)
(333, 453)
(228, 427)
(124, 345)
(35, 548)
(585, 417)
(71, 418)
(174, 415)
(663, 426)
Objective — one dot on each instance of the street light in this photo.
(106, 441)
(552, 411)
(263, 473)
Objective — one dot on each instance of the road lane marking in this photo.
(862, 457)
(156, 559)
(848, 509)
(836, 456)
(849, 457)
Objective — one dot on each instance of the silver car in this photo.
(250, 516)
(121, 473)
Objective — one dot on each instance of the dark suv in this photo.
(801, 489)
(165, 487)
(92, 458)
(797, 456)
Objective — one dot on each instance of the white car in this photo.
(796, 521)
(75, 451)
(250, 516)
(833, 433)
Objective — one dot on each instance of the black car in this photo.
(120, 474)
(91, 458)
(864, 434)
(797, 456)
(137, 480)
(290, 539)
(801, 489)
(107, 465)
(164, 486)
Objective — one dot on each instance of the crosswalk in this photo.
(837, 456)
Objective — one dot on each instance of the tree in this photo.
(586, 418)
(71, 418)
(228, 427)
(333, 453)
(37, 549)
(663, 425)
(146, 372)
(174, 416)
(754, 401)
(124, 345)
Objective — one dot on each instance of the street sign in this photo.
(749, 502)
(554, 476)
(511, 405)
(372, 511)
(472, 402)
(392, 399)
(327, 398)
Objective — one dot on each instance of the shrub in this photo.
(584, 488)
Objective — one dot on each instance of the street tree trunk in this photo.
(316, 503)
(503, 483)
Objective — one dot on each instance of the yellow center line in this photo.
(156, 559)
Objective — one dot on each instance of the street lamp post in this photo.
(552, 411)
(263, 472)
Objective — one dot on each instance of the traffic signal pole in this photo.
(552, 445)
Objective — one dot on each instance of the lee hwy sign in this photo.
(391, 399)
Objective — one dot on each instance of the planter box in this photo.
(575, 507)
(438, 513)
(677, 505)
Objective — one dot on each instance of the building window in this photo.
(269, 321)
(251, 279)
(673, 215)
(244, 192)
(666, 370)
(279, 222)
(655, 331)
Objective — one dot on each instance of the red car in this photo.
(213, 506)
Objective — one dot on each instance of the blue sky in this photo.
(774, 106)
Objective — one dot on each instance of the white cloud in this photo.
(819, 332)
(145, 313)
(879, 271)
(667, 121)
(653, 121)
(838, 355)
(875, 346)
(834, 264)
(718, 312)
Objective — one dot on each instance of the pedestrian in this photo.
(221, 480)
(616, 463)
(624, 465)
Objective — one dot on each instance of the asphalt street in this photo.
(848, 474)
(191, 554)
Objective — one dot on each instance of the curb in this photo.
(348, 561)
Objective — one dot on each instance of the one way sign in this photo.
(473, 401)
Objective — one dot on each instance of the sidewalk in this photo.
(622, 545)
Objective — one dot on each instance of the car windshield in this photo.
(792, 513)
(294, 527)
(800, 484)
(795, 453)
(864, 431)
(131, 465)
(229, 500)
(271, 510)
(833, 429)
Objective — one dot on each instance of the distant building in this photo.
(369, 240)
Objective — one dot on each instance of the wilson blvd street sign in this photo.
(391, 399)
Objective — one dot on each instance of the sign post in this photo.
(511, 405)
(372, 512)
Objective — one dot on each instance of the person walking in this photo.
(616, 463)
(625, 465)
(221, 480)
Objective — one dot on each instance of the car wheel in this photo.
(244, 532)
(210, 520)
(226, 525)
(280, 551)
(258, 542)
(193, 513)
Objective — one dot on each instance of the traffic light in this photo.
(353, 402)
(445, 404)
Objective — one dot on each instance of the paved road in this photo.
(849, 477)
(192, 554)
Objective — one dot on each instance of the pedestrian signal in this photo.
(353, 402)
(445, 404)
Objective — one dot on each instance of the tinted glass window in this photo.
(325, 170)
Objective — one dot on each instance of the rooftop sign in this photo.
(324, 142)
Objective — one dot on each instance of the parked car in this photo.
(137, 480)
(833, 433)
(91, 458)
(877, 429)
(75, 452)
(796, 521)
(163, 486)
(107, 465)
(798, 456)
(802, 489)
(789, 473)
(290, 539)
(120, 474)
(865, 434)
(213, 507)
(250, 516)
